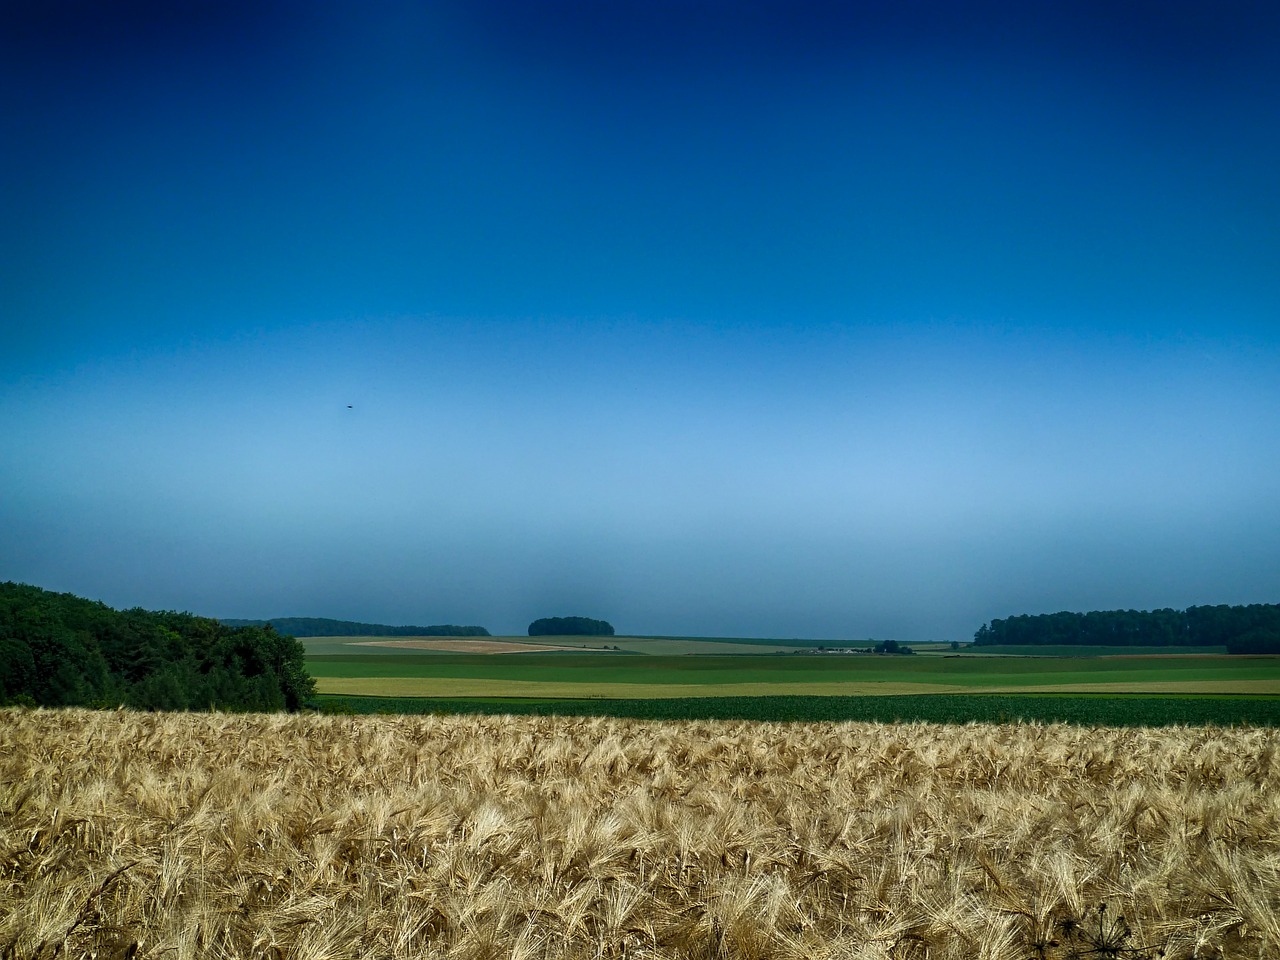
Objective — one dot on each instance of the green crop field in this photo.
(1085, 650)
(575, 675)
(1087, 709)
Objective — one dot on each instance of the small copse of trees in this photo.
(570, 627)
(57, 649)
(892, 646)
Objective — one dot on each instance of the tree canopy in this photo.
(57, 649)
(570, 627)
(1241, 629)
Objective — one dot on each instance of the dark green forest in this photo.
(322, 627)
(1241, 629)
(570, 627)
(57, 649)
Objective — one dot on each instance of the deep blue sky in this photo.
(816, 319)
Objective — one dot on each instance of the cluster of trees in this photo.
(892, 646)
(57, 649)
(1241, 629)
(570, 627)
(324, 627)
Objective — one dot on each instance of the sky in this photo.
(802, 319)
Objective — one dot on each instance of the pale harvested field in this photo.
(149, 835)
(466, 646)
(480, 687)
(653, 646)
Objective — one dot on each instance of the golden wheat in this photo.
(209, 835)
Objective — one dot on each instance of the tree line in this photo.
(324, 627)
(57, 649)
(1254, 628)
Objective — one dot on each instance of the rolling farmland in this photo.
(401, 672)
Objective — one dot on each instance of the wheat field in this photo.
(131, 835)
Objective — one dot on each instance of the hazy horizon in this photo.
(782, 319)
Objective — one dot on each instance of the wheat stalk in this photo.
(135, 835)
